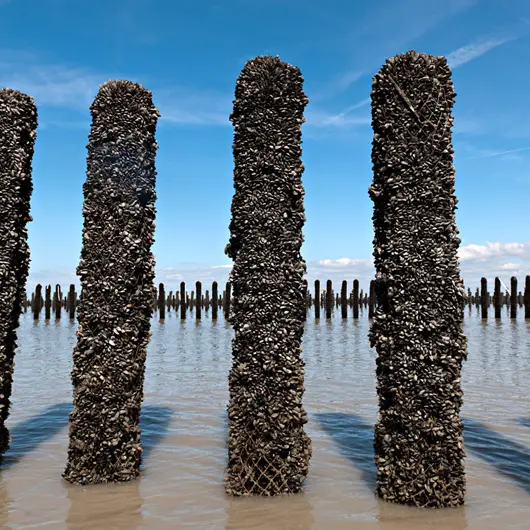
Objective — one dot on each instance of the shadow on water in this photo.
(509, 458)
(355, 439)
(154, 424)
(27, 435)
(525, 422)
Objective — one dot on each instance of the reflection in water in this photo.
(29, 434)
(292, 512)
(393, 517)
(5, 506)
(97, 507)
(183, 423)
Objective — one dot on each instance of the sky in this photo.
(189, 54)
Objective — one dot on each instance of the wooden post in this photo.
(329, 299)
(58, 299)
(215, 301)
(48, 303)
(38, 302)
(371, 300)
(304, 294)
(182, 301)
(317, 299)
(484, 297)
(497, 298)
(355, 299)
(198, 309)
(226, 309)
(513, 298)
(161, 301)
(526, 297)
(344, 299)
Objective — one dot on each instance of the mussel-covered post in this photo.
(18, 129)
(484, 297)
(268, 448)
(214, 301)
(513, 297)
(355, 299)
(497, 298)
(317, 299)
(116, 302)
(417, 324)
(198, 307)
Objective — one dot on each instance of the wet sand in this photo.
(184, 430)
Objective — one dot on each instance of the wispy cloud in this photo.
(186, 106)
(74, 88)
(467, 126)
(52, 85)
(467, 53)
(345, 80)
(321, 118)
(488, 154)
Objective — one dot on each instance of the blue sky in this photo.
(189, 55)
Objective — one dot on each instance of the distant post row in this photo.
(355, 300)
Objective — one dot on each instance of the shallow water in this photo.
(184, 430)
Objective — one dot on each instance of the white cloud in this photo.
(492, 250)
(345, 262)
(476, 261)
(509, 267)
